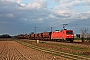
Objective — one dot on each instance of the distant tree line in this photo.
(5, 36)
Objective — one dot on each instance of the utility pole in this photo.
(51, 28)
(34, 32)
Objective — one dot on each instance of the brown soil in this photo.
(11, 50)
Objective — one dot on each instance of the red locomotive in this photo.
(65, 35)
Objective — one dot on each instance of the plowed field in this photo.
(11, 50)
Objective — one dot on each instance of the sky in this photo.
(22, 16)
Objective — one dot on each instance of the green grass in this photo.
(84, 49)
(80, 38)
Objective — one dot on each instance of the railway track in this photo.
(59, 53)
(10, 52)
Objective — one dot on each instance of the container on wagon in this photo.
(47, 34)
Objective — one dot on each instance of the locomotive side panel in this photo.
(64, 34)
(56, 35)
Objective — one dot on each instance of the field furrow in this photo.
(11, 50)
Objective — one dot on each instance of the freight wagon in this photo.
(47, 35)
(22, 36)
(32, 36)
(40, 36)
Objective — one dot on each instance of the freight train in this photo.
(22, 36)
(63, 35)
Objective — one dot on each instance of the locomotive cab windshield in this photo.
(69, 32)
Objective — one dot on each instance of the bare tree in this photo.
(88, 37)
(84, 33)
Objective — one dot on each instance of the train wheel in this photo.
(63, 40)
(71, 40)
